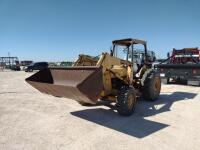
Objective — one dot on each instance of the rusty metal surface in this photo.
(79, 83)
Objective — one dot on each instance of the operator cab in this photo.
(125, 49)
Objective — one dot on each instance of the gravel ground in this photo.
(31, 120)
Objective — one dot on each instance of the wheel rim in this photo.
(157, 84)
(130, 101)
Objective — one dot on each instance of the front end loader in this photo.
(112, 77)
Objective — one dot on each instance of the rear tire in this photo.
(126, 101)
(152, 87)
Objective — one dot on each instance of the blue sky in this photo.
(56, 30)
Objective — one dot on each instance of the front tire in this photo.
(126, 101)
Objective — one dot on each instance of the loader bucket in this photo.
(82, 84)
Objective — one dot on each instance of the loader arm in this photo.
(112, 67)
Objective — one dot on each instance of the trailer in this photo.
(182, 65)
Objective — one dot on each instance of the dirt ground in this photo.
(31, 120)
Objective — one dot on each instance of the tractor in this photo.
(115, 77)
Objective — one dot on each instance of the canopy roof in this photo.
(128, 42)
